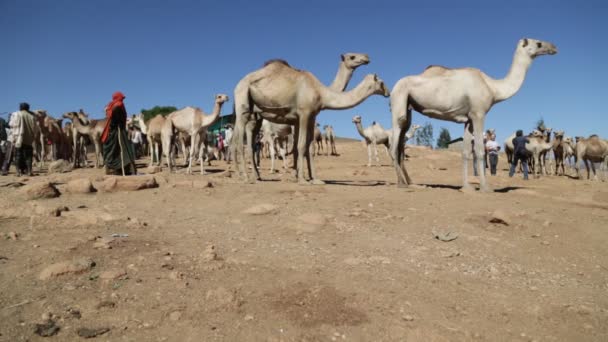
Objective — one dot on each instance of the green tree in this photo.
(424, 136)
(152, 112)
(444, 138)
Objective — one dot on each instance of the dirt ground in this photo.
(353, 260)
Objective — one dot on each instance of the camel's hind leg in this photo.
(467, 138)
(479, 152)
(401, 120)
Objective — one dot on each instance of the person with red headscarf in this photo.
(118, 152)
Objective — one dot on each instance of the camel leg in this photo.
(272, 153)
(294, 148)
(311, 161)
(369, 154)
(386, 148)
(97, 151)
(303, 149)
(402, 119)
(282, 151)
(467, 138)
(250, 153)
(376, 153)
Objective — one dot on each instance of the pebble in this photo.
(408, 318)
(248, 317)
(210, 253)
(546, 243)
(536, 235)
(175, 316)
(13, 236)
(261, 209)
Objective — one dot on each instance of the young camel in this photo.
(558, 151)
(317, 141)
(376, 135)
(538, 146)
(276, 135)
(152, 129)
(279, 93)
(91, 129)
(348, 64)
(460, 95)
(591, 150)
(330, 140)
(194, 122)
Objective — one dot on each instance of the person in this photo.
(520, 153)
(118, 153)
(492, 149)
(257, 149)
(3, 139)
(220, 146)
(24, 128)
(9, 145)
(227, 141)
(137, 141)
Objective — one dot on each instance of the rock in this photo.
(105, 304)
(175, 316)
(46, 329)
(75, 313)
(57, 211)
(445, 237)
(105, 243)
(249, 317)
(261, 209)
(12, 236)
(210, 253)
(67, 267)
(154, 169)
(131, 183)
(547, 223)
(545, 243)
(59, 166)
(80, 186)
(40, 190)
(112, 274)
(90, 333)
(408, 318)
(500, 217)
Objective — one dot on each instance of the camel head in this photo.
(534, 48)
(221, 98)
(357, 119)
(377, 85)
(355, 60)
(537, 133)
(70, 115)
(558, 134)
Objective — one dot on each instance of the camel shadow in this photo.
(508, 188)
(355, 183)
(443, 186)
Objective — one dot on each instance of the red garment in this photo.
(117, 98)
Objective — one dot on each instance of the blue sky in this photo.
(64, 55)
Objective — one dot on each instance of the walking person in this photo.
(227, 142)
(3, 138)
(492, 149)
(137, 141)
(520, 153)
(118, 153)
(9, 145)
(24, 129)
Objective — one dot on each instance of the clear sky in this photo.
(64, 55)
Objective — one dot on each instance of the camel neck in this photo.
(208, 120)
(360, 129)
(508, 86)
(344, 100)
(343, 76)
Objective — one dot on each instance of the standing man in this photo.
(118, 153)
(520, 153)
(492, 149)
(227, 142)
(24, 130)
(3, 139)
(137, 141)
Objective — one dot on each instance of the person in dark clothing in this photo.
(118, 151)
(520, 153)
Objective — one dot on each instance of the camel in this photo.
(591, 150)
(376, 135)
(194, 122)
(276, 135)
(317, 141)
(152, 129)
(547, 134)
(348, 64)
(558, 151)
(569, 147)
(330, 140)
(89, 128)
(54, 133)
(537, 147)
(279, 93)
(462, 95)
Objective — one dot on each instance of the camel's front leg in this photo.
(303, 149)
(272, 153)
(311, 161)
(193, 142)
(369, 154)
(97, 152)
(479, 152)
(467, 138)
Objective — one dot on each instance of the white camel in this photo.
(90, 128)
(459, 95)
(152, 129)
(330, 140)
(194, 122)
(376, 135)
(276, 135)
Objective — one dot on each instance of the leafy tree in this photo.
(164, 111)
(444, 138)
(424, 136)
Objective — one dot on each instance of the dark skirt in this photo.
(112, 156)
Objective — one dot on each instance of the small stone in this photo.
(90, 333)
(47, 316)
(261, 209)
(40, 190)
(46, 329)
(12, 236)
(499, 217)
(104, 243)
(57, 211)
(175, 316)
(547, 223)
(210, 253)
(248, 317)
(74, 313)
(546, 243)
(536, 235)
(408, 318)
(105, 304)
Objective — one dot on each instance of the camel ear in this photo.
(342, 56)
(525, 42)
(375, 78)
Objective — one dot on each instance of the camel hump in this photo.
(277, 60)
(594, 136)
(436, 66)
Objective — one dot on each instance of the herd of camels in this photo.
(278, 101)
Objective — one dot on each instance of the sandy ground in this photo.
(353, 260)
